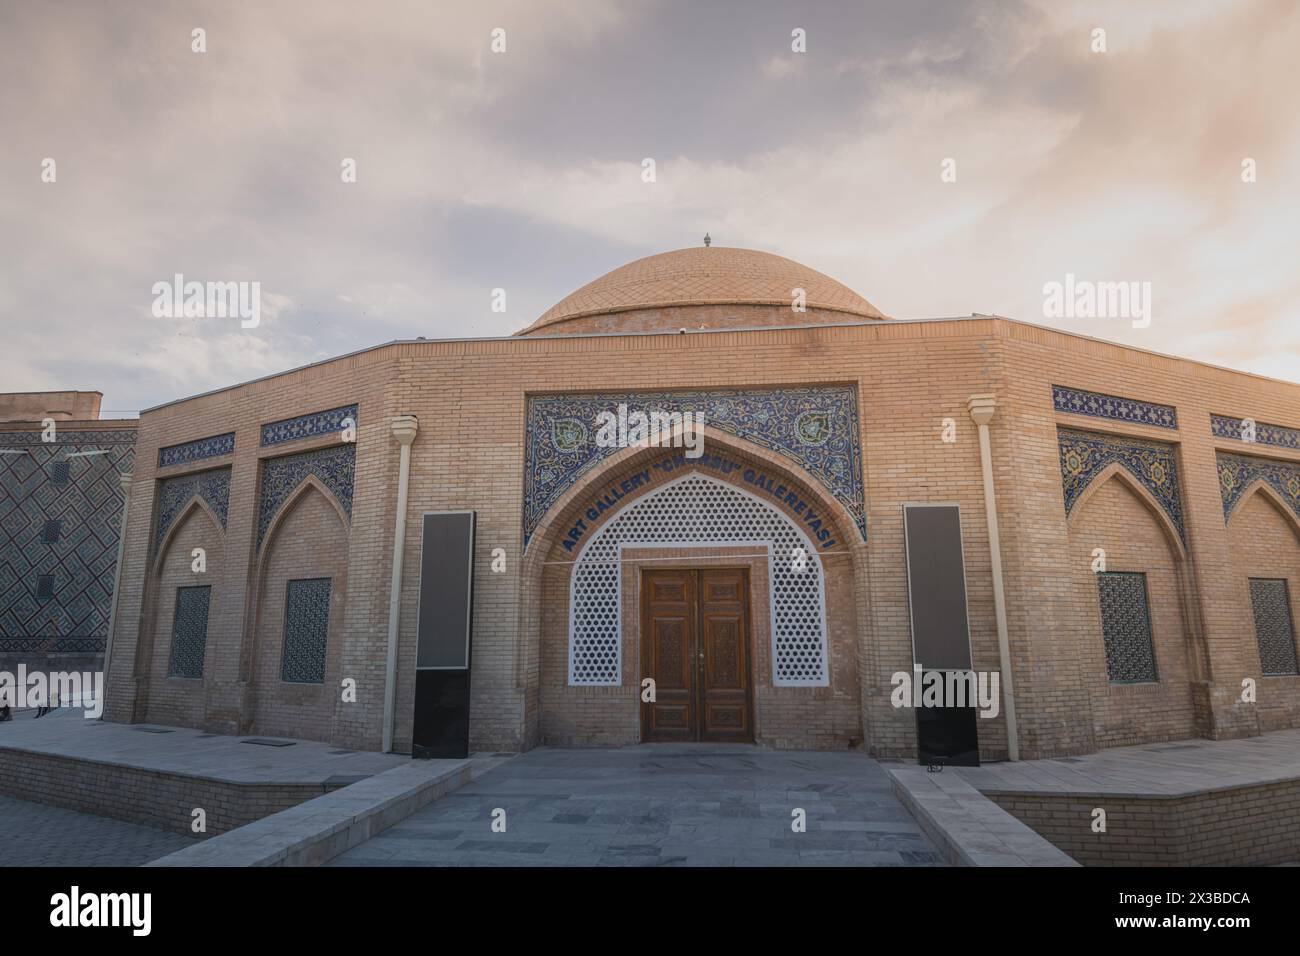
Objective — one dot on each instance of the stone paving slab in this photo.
(65, 732)
(1183, 768)
(662, 805)
(33, 834)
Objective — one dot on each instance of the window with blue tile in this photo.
(190, 632)
(306, 631)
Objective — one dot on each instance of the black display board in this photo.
(443, 648)
(936, 588)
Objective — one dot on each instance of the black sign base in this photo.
(441, 714)
(947, 736)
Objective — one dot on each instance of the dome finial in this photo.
(707, 241)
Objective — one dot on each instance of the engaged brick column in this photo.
(981, 412)
(404, 429)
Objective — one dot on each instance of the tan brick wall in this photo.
(150, 797)
(470, 397)
(1242, 826)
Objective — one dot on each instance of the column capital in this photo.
(124, 480)
(404, 428)
(981, 408)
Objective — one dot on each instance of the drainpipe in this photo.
(124, 480)
(404, 429)
(981, 411)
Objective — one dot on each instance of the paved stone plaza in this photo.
(33, 834)
(662, 805)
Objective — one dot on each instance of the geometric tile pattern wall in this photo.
(1078, 402)
(1126, 627)
(1224, 426)
(815, 427)
(175, 494)
(1084, 454)
(308, 426)
(202, 448)
(189, 632)
(306, 631)
(1237, 472)
(334, 467)
(83, 560)
(1271, 604)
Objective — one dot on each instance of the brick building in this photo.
(1129, 528)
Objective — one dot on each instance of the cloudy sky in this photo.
(522, 169)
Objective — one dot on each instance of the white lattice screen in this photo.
(699, 510)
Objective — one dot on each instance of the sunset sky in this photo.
(522, 170)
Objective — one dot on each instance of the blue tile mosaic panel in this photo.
(1078, 402)
(306, 631)
(198, 450)
(1126, 627)
(1224, 426)
(814, 427)
(190, 632)
(308, 426)
(39, 483)
(1270, 601)
(175, 494)
(334, 467)
(1085, 454)
(1239, 472)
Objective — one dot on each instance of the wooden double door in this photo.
(695, 645)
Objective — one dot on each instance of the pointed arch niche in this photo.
(190, 517)
(1264, 548)
(303, 532)
(1124, 514)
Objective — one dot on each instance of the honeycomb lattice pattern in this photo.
(698, 510)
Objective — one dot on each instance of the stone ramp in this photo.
(320, 829)
(968, 827)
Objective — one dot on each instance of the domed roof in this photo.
(706, 276)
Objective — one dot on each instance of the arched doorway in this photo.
(731, 557)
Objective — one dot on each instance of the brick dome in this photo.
(703, 287)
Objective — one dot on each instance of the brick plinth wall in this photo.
(1257, 826)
